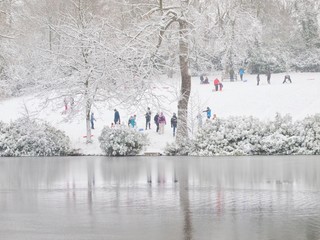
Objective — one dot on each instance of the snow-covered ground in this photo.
(300, 99)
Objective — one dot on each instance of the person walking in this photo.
(156, 121)
(162, 122)
(116, 117)
(268, 76)
(287, 77)
(148, 118)
(241, 72)
(208, 111)
(174, 121)
(258, 79)
(92, 119)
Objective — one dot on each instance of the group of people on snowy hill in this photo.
(159, 120)
(218, 85)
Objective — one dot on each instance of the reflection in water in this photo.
(160, 198)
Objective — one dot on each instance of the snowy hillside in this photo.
(300, 99)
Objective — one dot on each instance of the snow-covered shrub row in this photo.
(250, 136)
(182, 148)
(232, 136)
(26, 137)
(122, 141)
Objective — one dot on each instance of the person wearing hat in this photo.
(116, 117)
(174, 121)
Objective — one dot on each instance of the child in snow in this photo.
(208, 111)
(65, 101)
(92, 119)
(199, 117)
(174, 121)
(206, 80)
(201, 79)
(156, 121)
(162, 122)
(287, 77)
(217, 84)
(148, 118)
(132, 122)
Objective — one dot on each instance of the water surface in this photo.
(224, 198)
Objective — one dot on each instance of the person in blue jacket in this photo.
(208, 111)
(116, 117)
(241, 72)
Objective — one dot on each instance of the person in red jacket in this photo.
(217, 84)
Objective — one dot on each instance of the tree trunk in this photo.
(182, 130)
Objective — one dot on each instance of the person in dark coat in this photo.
(231, 73)
(287, 77)
(201, 79)
(258, 79)
(92, 119)
(174, 121)
(268, 76)
(116, 117)
(156, 121)
(148, 118)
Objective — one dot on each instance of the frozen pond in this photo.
(223, 198)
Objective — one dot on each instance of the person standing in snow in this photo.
(156, 121)
(116, 117)
(162, 122)
(65, 101)
(92, 119)
(206, 80)
(71, 103)
(174, 122)
(131, 122)
(201, 79)
(208, 111)
(217, 84)
(199, 117)
(287, 77)
(241, 72)
(258, 79)
(148, 118)
(268, 76)
(231, 73)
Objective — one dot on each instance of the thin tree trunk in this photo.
(182, 130)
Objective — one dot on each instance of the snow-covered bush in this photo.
(250, 136)
(281, 137)
(122, 141)
(26, 137)
(182, 149)
(232, 136)
(309, 132)
(306, 60)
